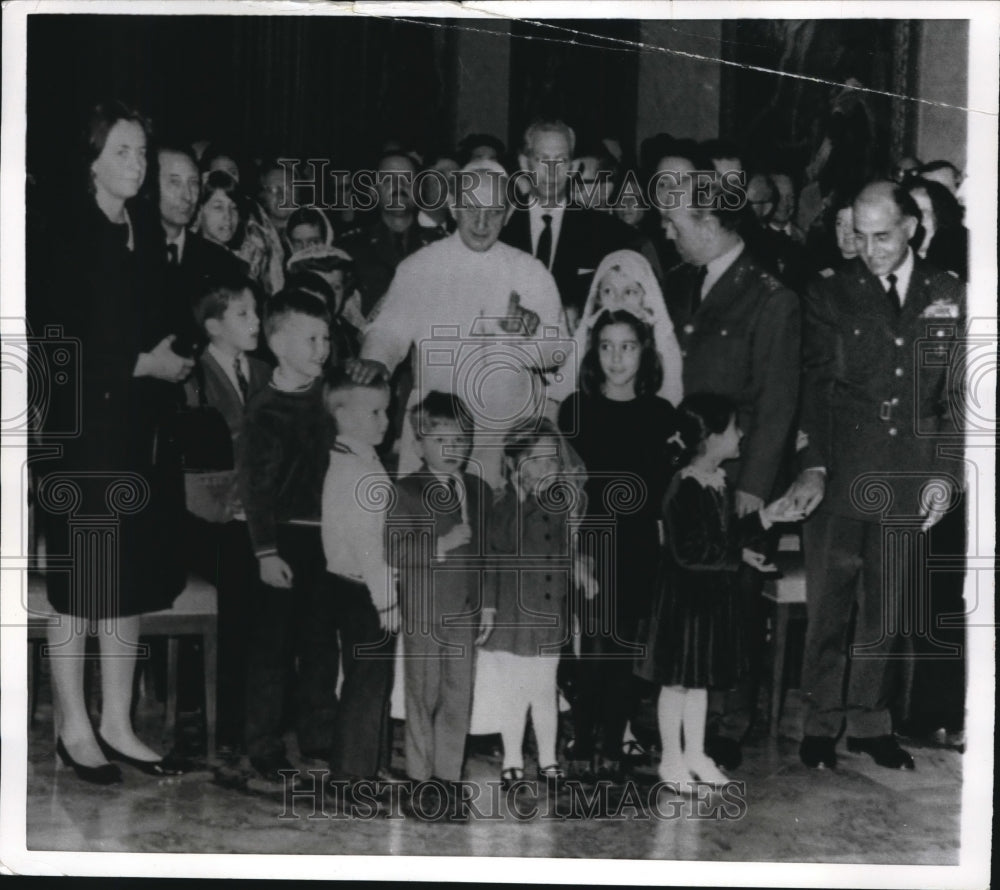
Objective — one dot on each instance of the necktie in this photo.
(172, 256)
(544, 252)
(892, 296)
(241, 380)
(699, 283)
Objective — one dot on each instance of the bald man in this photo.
(878, 338)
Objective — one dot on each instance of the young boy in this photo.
(282, 457)
(227, 378)
(361, 583)
(436, 528)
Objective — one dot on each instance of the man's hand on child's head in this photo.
(365, 370)
(275, 572)
(486, 621)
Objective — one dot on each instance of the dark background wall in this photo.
(338, 86)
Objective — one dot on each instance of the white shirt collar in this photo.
(903, 275)
(716, 268)
(355, 446)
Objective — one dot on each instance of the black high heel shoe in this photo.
(165, 766)
(105, 774)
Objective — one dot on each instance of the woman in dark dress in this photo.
(112, 509)
(620, 429)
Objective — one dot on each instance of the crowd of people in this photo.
(531, 435)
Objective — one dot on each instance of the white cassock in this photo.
(449, 302)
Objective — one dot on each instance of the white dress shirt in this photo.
(535, 213)
(903, 275)
(180, 241)
(716, 268)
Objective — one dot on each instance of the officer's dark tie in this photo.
(699, 283)
(892, 296)
(241, 380)
(172, 255)
(544, 252)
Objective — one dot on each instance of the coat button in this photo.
(548, 578)
(107, 396)
(689, 329)
(724, 332)
(899, 372)
(939, 332)
(893, 431)
(857, 332)
(894, 400)
(898, 341)
(545, 517)
(548, 537)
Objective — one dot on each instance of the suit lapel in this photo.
(518, 230)
(221, 379)
(564, 262)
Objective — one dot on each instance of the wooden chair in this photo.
(194, 612)
(788, 596)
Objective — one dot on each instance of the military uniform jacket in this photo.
(743, 341)
(878, 391)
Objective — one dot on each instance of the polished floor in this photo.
(860, 813)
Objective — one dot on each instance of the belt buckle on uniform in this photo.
(885, 411)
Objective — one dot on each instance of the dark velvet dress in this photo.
(624, 445)
(112, 511)
(696, 636)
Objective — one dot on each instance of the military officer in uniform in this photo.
(739, 333)
(878, 338)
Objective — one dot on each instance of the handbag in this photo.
(199, 438)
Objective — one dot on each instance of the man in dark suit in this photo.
(775, 245)
(571, 241)
(738, 329)
(190, 258)
(876, 406)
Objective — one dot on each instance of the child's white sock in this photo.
(695, 713)
(669, 713)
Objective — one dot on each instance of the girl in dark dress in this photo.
(620, 429)
(112, 512)
(696, 642)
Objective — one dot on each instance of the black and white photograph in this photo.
(499, 442)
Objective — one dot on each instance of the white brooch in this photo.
(941, 309)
